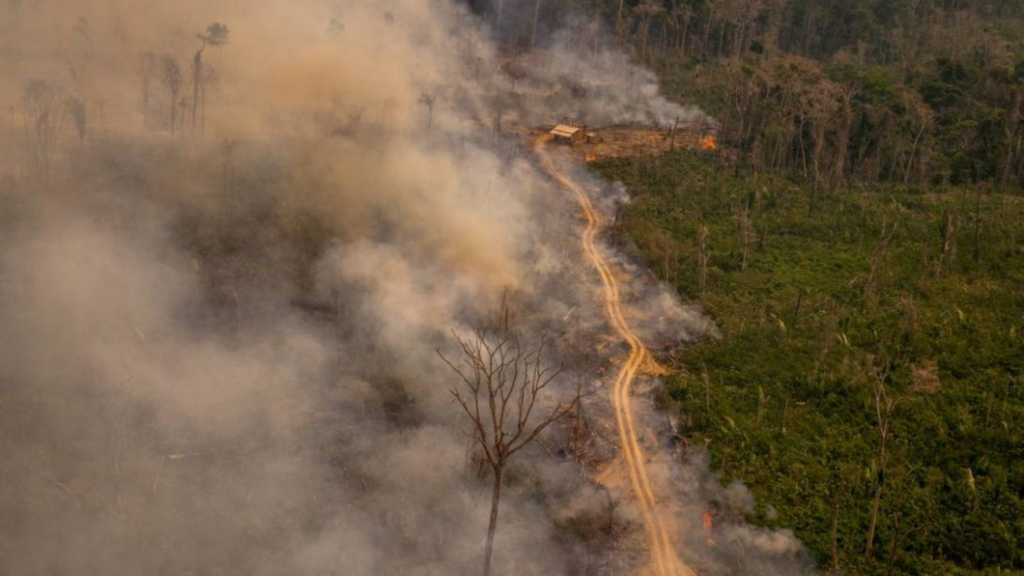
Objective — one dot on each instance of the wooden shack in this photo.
(567, 134)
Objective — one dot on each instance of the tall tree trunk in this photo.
(819, 145)
(977, 226)
(492, 528)
(745, 236)
(913, 152)
(843, 139)
(497, 25)
(702, 258)
(197, 78)
(1013, 119)
(807, 33)
(619, 28)
(738, 49)
(145, 97)
(884, 407)
(174, 112)
(948, 231)
(664, 39)
(683, 40)
(835, 537)
(721, 39)
(707, 36)
(870, 547)
(895, 546)
(536, 16)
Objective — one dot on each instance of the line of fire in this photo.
(628, 140)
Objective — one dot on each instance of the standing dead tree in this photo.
(216, 35)
(947, 230)
(884, 239)
(171, 76)
(45, 117)
(147, 69)
(702, 257)
(210, 77)
(228, 168)
(502, 381)
(536, 16)
(885, 406)
(746, 235)
(428, 101)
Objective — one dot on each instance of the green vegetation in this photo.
(840, 310)
(923, 92)
(858, 244)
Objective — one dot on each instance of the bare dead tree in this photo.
(821, 104)
(147, 67)
(44, 106)
(977, 225)
(746, 237)
(834, 553)
(702, 257)
(428, 101)
(900, 531)
(183, 115)
(885, 406)
(79, 114)
(647, 12)
(209, 79)
(536, 16)
(620, 24)
(228, 165)
(497, 22)
(503, 376)
(947, 229)
(171, 76)
(216, 34)
(878, 255)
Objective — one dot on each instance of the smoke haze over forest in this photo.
(218, 320)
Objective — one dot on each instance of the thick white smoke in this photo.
(218, 345)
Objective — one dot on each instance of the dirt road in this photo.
(664, 559)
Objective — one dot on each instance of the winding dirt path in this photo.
(664, 560)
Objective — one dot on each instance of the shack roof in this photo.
(564, 131)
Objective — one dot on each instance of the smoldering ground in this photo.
(217, 347)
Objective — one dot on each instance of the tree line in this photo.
(919, 92)
(167, 70)
(922, 92)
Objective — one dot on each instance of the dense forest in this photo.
(907, 91)
(857, 239)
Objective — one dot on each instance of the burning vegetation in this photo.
(625, 141)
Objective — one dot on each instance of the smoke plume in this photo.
(218, 317)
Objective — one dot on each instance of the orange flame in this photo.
(709, 521)
(591, 158)
(708, 143)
